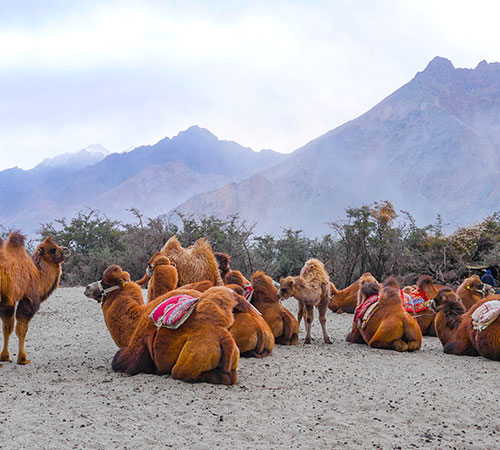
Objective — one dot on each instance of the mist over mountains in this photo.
(433, 146)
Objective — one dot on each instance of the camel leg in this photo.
(309, 319)
(388, 335)
(322, 319)
(26, 309)
(461, 346)
(355, 336)
(133, 360)
(7, 316)
(300, 312)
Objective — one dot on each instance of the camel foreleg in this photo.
(26, 309)
(7, 316)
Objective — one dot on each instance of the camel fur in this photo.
(25, 282)
(311, 289)
(390, 326)
(196, 263)
(449, 313)
(470, 342)
(201, 286)
(201, 350)
(223, 261)
(282, 323)
(345, 300)
(472, 290)
(161, 275)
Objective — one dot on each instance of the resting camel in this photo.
(311, 288)
(382, 322)
(162, 276)
(284, 326)
(196, 263)
(25, 281)
(223, 262)
(478, 332)
(417, 303)
(250, 331)
(472, 290)
(345, 299)
(201, 350)
(449, 312)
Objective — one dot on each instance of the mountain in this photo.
(433, 146)
(151, 178)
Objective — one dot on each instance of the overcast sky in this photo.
(266, 74)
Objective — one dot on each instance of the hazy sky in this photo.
(266, 74)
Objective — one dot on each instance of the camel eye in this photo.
(52, 251)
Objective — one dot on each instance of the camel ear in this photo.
(292, 282)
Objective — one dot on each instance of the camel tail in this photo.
(227, 353)
(143, 280)
(412, 330)
(261, 341)
(287, 327)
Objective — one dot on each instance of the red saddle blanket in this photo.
(364, 311)
(415, 302)
(248, 292)
(174, 311)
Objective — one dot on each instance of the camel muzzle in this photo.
(66, 251)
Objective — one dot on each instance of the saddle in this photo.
(248, 292)
(485, 315)
(174, 311)
(415, 302)
(363, 312)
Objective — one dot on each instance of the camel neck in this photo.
(49, 275)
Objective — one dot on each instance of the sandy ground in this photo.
(318, 396)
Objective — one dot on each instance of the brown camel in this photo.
(201, 286)
(25, 281)
(196, 263)
(417, 303)
(223, 262)
(201, 350)
(449, 312)
(472, 290)
(250, 331)
(382, 322)
(284, 326)
(479, 331)
(161, 274)
(344, 300)
(311, 288)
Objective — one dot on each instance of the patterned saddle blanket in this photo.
(174, 311)
(415, 302)
(364, 311)
(485, 315)
(248, 292)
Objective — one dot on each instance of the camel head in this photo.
(223, 260)
(287, 287)
(113, 278)
(367, 290)
(367, 277)
(158, 259)
(50, 252)
(445, 296)
(236, 277)
(476, 286)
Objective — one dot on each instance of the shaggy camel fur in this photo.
(472, 290)
(311, 288)
(196, 263)
(201, 286)
(250, 331)
(470, 342)
(284, 326)
(449, 312)
(27, 281)
(223, 261)
(425, 319)
(390, 326)
(345, 300)
(161, 274)
(201, 350)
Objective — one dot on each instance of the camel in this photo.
(417, 303)
(223, 262)
(250, 331)
(478, 332)
(472, 290)
(344, 300)
(201, 286)
(311, 288)
(161, 275)
(284, 326)
(25, 281)
(382, 322)
(201, 350)
(449, 312)
(196, 263)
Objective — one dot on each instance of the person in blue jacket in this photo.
(487, 278)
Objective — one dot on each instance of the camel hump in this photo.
(314, 273)
(15, 240)
(172, 244)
